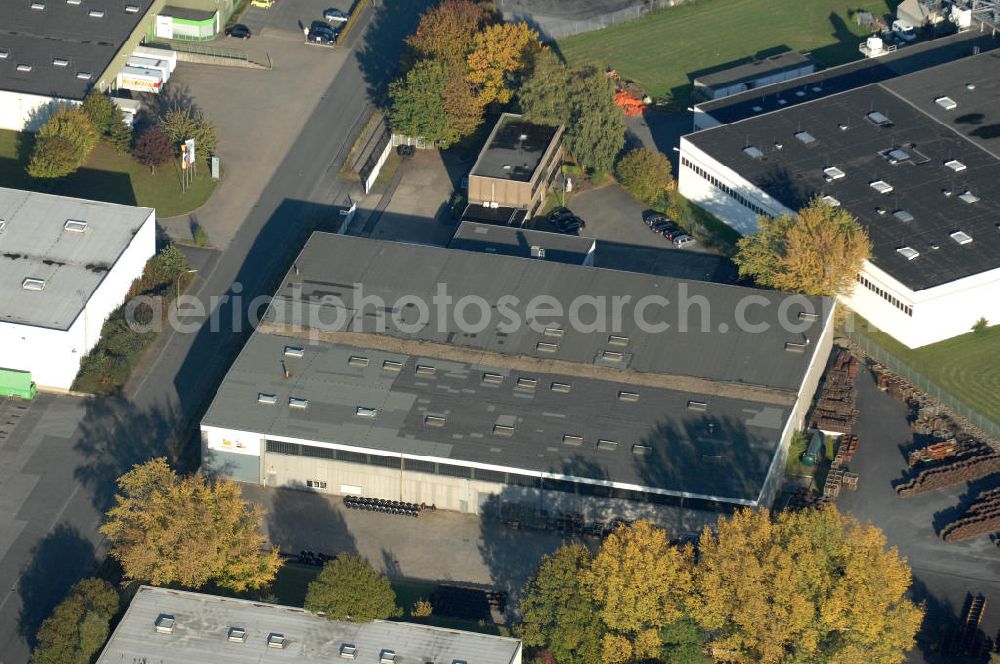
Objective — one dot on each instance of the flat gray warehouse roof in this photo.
(705, 338)
(679, 441)
(202, 624)
(86, 35)
(36, 242)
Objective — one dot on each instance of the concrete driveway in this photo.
(419, 211)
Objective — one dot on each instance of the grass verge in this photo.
(664, 51)
(107, 176)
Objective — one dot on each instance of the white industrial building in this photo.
(915, 158)
(670, 424)
(757, 74)
(167, 626)
(65, 265)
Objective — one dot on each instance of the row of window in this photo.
(718, 184)
(905, 308)
(493, 476)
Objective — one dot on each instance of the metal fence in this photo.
(554, 27)
(878, 353)
(189, 47)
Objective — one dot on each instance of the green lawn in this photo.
(967, 366)
(108, 176)
(665, 50)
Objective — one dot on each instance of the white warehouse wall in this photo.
(20, 111)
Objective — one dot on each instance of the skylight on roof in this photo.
(4, 54)
(955, 165)
(33, 284)
(903, 215)
(908, 253)
(881, 186)
(83, 75)
(879, 119)
(60, 62)
(969, 197)
(75, 225)
(961, 238)
(24, 68)
(834, 173)
(947, 103)
(831, 201)
(96, 13)
(753, 152)
(896, 155)
(805, 137)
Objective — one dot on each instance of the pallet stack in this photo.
(834, 480)
(965, 469)
(982, 518)
(835, 408)
(946, 449)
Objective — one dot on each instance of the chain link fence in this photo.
(556, 27)
(878, 353)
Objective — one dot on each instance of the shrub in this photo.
(79, 626)
(421, 609)
(646, 174)
(349, 589)
(980, 325)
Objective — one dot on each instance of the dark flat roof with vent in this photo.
(62, 30)
(187, 13)
(514, 149)
(511, 241)
(910, 153)
(847, 77)
(751, 71)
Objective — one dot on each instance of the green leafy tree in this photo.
(646, 174)
(76, 136)
(350, 589)
(183, 122)
(166, 529)
(819, 251)
(153, 148)
(809, 586)
(101, 111)
(417, 104)
(79, 626)
(557, 613)
(582, 99)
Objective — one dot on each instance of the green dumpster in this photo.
(14, 383)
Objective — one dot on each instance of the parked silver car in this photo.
(684, 241)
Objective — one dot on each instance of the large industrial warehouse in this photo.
(66, 265)
(621, 422)
(916, 159)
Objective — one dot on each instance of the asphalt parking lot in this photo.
(943, 573)
(286, 20)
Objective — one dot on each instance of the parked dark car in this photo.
(238, 31)
(571, 225)
(321, 33)
(672, 233)
(560, 213)
(655, 218)
(405, 150)
(662, 225)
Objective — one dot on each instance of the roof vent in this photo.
(358, 361)
(237, 635)
(833, 173)
(366, 411)
(555, 332)
(38, 5)
(831, 201)
(879, 119)
(961, 237)
(527, 383)
(896, 155)
(778, 146)
(387, 657)
(492, 378)
(265, 398)
(628, 396)
(4, 54)
(955, 165)
(131, 9)
(606, 445)
(641, 450)
(880, 211)
(537, 251)
(75, 226)
(392, 366)
(298, 402)
(843, 127)
(425, 370)
(700, 406)
(83, 75)
(33, 284)
(545, 347)
(909, 253)
(903, 215)
(294, 351)
(571, 440)
(563, 388)
(970, 86)
(74, 2)
(24, 68)
(881, 186)
(752, 152)
(615, 340)
(805, 137)
(434, 421)
(947, 103)
(60, 62)
(782, 102)
(96, 13)
(758, 109)
(276, 640)
(348, 651)
(165, 624)
(3, 224)
(969, 197)
(503, 430)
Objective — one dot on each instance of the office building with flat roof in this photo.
(65, 265)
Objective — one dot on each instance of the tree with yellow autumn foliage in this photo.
(501, 52)
(819, 251)
(805, 586)
(165, 528)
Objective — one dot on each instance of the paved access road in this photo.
(57, 470)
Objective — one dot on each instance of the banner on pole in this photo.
(189, 144)
(184, 155)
